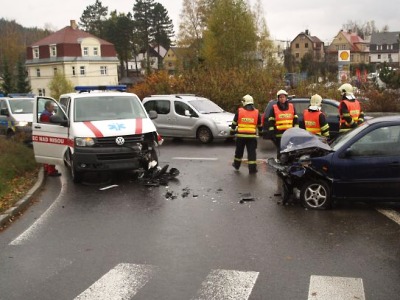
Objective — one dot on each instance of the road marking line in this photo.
(391, 214)
(40, 222)
(122, 282)
(227, 284)
(335, 288)
(195, 158)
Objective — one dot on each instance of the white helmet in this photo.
(346, 90)
(316, 100)
(247, 100)
(281, 92)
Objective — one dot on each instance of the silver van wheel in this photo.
(204, 135)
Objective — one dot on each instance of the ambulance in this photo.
(95, 129)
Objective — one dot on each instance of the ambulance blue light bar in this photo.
(89, 88)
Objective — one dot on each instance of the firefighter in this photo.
(45, 118)
(350, 112)
(246, 123)
(315, 119)
(282, 117)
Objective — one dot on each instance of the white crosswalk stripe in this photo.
(125, 280)
(335, 288)
(226, 284)
(120, 283)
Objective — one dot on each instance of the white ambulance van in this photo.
(96, 129)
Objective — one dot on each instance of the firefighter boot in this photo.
(253, 168)
(236, 164)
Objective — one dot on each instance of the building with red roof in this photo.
(83, 58)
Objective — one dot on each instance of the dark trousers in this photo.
(277, 143)
(251, 145)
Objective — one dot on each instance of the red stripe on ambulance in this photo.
(139, 126)
(97, 133)
(51, 140)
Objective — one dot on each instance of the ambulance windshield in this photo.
(100, 108)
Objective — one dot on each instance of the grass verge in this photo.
(18, 172)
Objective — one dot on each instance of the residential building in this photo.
(304, 44)
(138, 64)
(359, 48)
(178, 58)
(278, 50)
(83, 58)
(384, 48)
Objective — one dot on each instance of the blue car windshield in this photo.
(205, 106)
(343, 138)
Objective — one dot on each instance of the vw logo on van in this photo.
(120, 140)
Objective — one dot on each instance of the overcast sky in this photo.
(285, 18)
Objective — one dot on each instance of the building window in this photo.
(306, 45)
(297, 46)
(53, 51)
(55, 71)
(85, 51)
(379, 56)
(103, 70)
(42, 92)
(297, 55)
(73, 71)
(389, 56)
(95, 51)
(82, 70)
(37, 72)
(36, 52)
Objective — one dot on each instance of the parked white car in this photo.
(189, 116)
(16, 115)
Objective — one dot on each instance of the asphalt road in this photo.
(195, 238)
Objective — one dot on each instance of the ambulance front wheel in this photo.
(76, 176)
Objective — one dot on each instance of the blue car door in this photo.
(369, 168)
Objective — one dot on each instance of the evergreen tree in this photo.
(23, 85)
(163, 29)
(143, 11)
(8, 85)
(119, 29)
(93, 17)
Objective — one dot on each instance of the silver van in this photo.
(189, 116)
(16, 115)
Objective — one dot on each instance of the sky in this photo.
(285, 18)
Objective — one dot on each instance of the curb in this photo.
(22, 204)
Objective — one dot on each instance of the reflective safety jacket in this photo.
(247, 122)
(311, 121)
(284, 119)
(315, 122)
(350, 115)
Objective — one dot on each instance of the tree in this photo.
(118, 29)
(163, 27)
(8, 85)
(264, 44)
(193, 23)
(23, 85)
(143, 16)
(60, 85)
(231, 36)
(92, 18)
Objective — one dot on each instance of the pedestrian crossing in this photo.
(125, 280)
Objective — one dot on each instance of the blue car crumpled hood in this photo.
(298, 139)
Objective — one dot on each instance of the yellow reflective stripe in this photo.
(244, 135)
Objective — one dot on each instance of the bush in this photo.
(18, 169)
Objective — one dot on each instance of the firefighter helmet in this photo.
(346, 90)
(281, 92)
(246, 100)
(316, 100)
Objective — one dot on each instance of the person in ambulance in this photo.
(96, 129)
